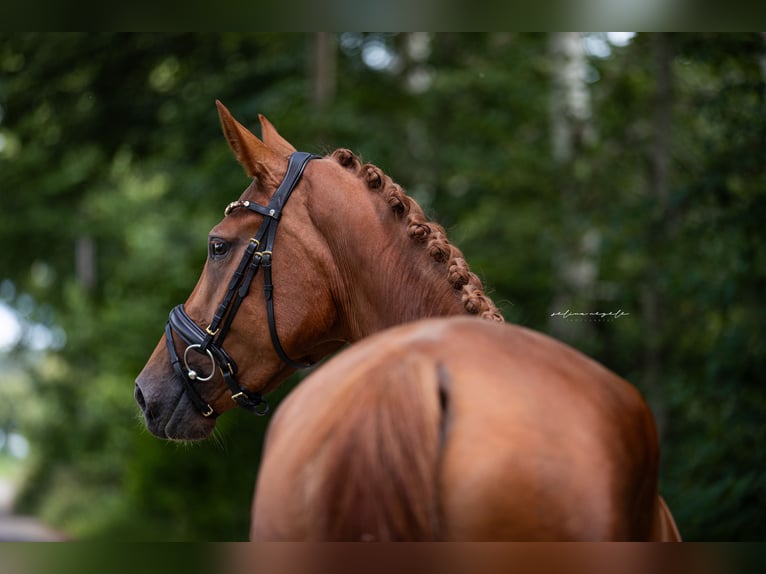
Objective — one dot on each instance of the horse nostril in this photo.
(139, 396)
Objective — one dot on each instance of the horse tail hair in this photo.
(664, 527)
(381, 462)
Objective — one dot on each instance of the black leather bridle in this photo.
(209, 341)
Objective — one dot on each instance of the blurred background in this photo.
(580, 172)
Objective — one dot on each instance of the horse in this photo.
(460, 429)
(439, 422)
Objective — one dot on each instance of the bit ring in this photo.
(191, 373)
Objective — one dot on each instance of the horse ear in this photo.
(272, 138)
(255, 156)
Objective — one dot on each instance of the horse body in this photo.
(522, 438)
(454, 428)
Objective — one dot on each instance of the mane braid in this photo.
(431, 235)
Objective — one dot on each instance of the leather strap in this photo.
(191, 392)
(268, 292)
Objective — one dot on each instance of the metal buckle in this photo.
(208, 412)
(261, 408)
(211, 332)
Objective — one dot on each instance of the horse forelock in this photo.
(429, 234)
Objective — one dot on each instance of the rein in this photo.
(209, 342)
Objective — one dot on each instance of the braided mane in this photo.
(431, 235)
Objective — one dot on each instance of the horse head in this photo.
(289, 282)
(189, 378)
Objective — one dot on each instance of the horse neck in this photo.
(386, 279)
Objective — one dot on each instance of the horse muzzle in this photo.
(169, 415)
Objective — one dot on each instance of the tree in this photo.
(111, 148)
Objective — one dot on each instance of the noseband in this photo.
(209, 342)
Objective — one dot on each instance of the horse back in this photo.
(543, 442)
(459, 429)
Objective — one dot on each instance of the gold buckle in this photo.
(239, 394)
(255, 242)
(212, 333)
(209, 411)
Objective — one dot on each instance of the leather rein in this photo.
(209, 341)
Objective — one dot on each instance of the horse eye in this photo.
(218, 248)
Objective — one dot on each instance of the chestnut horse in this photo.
(461, 429)
(449, 428)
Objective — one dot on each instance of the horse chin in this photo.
(175, 419)
(185, 423)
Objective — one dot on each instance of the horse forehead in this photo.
(233, 225)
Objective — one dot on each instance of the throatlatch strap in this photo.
(268, 293)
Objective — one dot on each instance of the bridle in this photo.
(209, 341)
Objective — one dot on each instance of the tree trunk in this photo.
(570, 102)
(85, 262)
(763, 56)
(661, 224)
(323, 70)
(570, 113)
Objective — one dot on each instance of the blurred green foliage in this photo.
(113, 141)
